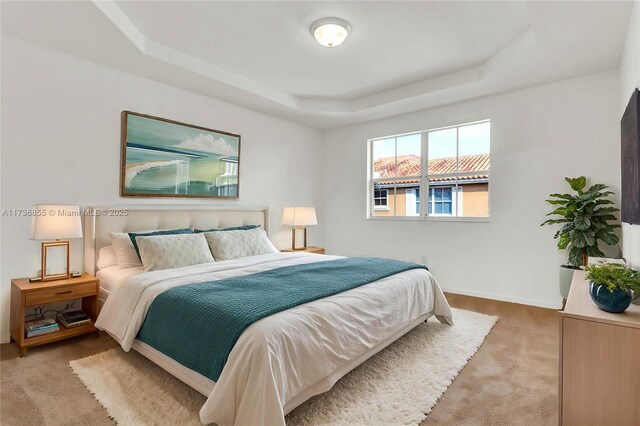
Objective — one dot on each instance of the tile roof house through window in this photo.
(468, 195)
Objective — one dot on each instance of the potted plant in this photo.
(585, 217)
(612, 286)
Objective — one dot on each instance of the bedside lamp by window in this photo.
(299, 218)
(59, 223)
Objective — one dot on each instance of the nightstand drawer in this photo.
(44, 296)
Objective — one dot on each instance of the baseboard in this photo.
(503, 298)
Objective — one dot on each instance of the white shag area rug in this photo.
(399, 385)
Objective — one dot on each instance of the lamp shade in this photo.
(54, 222)
(299, 216)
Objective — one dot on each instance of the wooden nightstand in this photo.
(309, 249)
(25, 294)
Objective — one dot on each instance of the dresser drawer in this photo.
(44, 296)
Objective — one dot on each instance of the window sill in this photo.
(456, 219)
(432, 219)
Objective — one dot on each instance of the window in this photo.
(449, 167)
(380, 199)
(441, 201)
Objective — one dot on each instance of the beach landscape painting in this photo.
(166, 158)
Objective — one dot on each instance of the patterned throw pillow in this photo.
(173, 251)
(234, 244)
(133, 235)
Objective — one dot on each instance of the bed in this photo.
(281, 360)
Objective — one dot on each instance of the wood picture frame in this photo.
(166, 158)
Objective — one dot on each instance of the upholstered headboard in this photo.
(100, 220)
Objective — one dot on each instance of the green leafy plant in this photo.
(585, 217)
(614, 276)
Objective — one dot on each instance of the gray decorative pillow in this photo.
(226, 245)
(173, 251)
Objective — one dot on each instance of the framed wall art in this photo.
(166, 158)
(630, 167)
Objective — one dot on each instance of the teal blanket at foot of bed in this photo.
(198, 324)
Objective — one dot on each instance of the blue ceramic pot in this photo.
(615, 302)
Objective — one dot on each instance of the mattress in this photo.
(112, 277)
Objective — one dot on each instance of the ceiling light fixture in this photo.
(330, 32)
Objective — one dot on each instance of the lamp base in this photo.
(46, 245)
(54, 278)
(293, 238)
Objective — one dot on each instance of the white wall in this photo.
(539, 136)
(629, 80)
(61, 144)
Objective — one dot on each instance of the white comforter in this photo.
(284, 359)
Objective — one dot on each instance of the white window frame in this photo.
(424, 180)
(381, 207)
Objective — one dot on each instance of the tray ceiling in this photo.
(400, 57)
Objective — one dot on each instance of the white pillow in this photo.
(125, 253)
(226, 245)
(107, 257)
(173, 251)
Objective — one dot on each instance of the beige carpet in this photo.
(397, 386)
(511, 380)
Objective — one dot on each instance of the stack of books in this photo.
(39, 327)
(73, 319)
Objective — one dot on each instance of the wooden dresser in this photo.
(599, 362)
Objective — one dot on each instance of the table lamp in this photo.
(59, 223)
(299, 218)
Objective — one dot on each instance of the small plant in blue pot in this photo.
(612, 286)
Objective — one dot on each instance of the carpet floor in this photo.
(396, 386)
(512, 379)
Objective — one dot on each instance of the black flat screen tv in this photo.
(630, 126)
